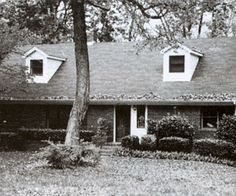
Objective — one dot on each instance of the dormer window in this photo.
(179, 63)
(176, 64)
(36, 67)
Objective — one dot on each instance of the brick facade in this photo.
(56, 116)
(190, 112)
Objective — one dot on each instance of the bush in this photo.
(152, 126)
(148, 142)
(60, 156)
(101, 135)
(174, 144)
(43, 134)
(11, 141)
(52, 134)
(227, 129)
(216, 148)
(175, 126)
(131, 142)
(124, 152)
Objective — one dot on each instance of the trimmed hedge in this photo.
(124, 152)
(11, 141)
(130, 141)
(52, 134)
(177, 144)
(148, 142)
(175, 126)
(216, 148)
(227, 129)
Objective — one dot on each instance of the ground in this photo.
(115, 176)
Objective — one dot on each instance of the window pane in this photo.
(140, 116)
(209, 122)
(36, 67)
(176, 64)
(209, 115)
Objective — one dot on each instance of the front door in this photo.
(122, 122)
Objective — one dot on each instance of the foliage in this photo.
(148, 142)
(130, 141)
(176, 126)
(216, 148)
(51, 134)
(207, 97)
(61, 156)
(152, 126)
(100, 138)
(124, 152)
(13, 77)
(174, 144)
(11, 141)
(227, 129)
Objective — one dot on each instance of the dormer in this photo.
(41, 66)
(179, 63)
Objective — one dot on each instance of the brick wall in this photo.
(191, 112)
(95, 112)
(55, 117)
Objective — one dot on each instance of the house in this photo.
(196, 79)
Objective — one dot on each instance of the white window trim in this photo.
(134, 130)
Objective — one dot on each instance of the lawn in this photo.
(115, 176)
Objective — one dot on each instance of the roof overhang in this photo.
(120, 102)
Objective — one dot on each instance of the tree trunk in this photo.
(80, 105)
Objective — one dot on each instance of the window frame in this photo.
(137, 118)
(31, 67)
(171, 63)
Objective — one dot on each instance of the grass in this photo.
(115, 176)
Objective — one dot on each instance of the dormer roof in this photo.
(179, 45)
(35, 49)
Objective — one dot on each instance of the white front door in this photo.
(138, 120)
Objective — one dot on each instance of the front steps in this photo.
(108, 149)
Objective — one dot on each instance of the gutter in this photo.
(119, 102)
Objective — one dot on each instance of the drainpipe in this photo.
(234, 107)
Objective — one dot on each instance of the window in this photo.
(212, 115)
(176, 64)
(209, 118)
(36, 67)
(141, 116)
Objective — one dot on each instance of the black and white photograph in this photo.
(117, 97)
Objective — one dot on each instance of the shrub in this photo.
(101, 135)
(11, 141)
(175, 126)
(60, 156)
(216, 148)
(43, 134)
(131, 142)
(152, 126)
(227, 129)
(52, 134)
(175, 144)
(148, 142)
(124, 152)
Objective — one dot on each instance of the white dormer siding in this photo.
(191, 59)
(50, 65)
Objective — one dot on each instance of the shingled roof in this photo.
(116, 69)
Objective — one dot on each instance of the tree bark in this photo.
(80, 104)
